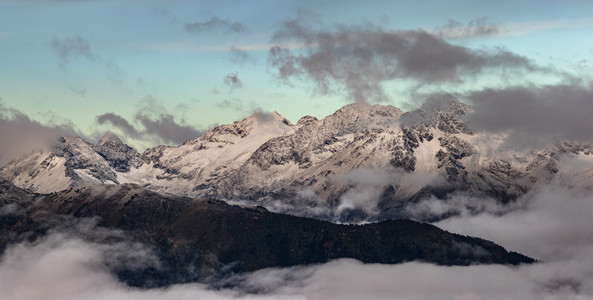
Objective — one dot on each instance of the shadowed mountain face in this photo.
(197, 240)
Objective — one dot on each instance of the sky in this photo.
(160, 72)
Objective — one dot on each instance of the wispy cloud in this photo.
(193, 46)
(215, 23)
(525, 28)
(474, 28)
(70, 48)
(482, 27)
(239, 56)
(232, 81)
(79, 92)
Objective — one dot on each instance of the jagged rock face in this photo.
(10, 194)
(266, 159)
(316, 152)
(120, 156)
(312, 164)
(320, 152)
(443, 112)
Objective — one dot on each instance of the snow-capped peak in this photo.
(272, 122)
(269, 123)
(260, 118)
(110, 139)
(433, 108)
(276, 116)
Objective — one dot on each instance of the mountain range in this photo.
(263, 192)
(361, 163)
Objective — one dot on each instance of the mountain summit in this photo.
(110, 140)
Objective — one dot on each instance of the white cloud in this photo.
(61, 266)
(368, 186)
(555, 224)
(71, 270)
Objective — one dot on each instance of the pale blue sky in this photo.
(141, 50)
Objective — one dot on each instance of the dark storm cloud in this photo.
(166, 128)
(152, 122)
(474, 28)
(359, 59)
(70, 48)
(20, 135)
(534, 115)
(232, 81)
(118, 122)
(215, 23)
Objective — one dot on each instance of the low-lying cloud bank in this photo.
(63, 266)
(552, 224)
(368, 186)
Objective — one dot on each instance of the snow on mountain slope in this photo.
(313, 153)
(72, 162)
(40, 171)
(180, 169)
(188, 168)
(320, 152)
(430, 151)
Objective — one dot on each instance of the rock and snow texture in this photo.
(361, 159)
(189, 168)
(73, 162)
(179, 169)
